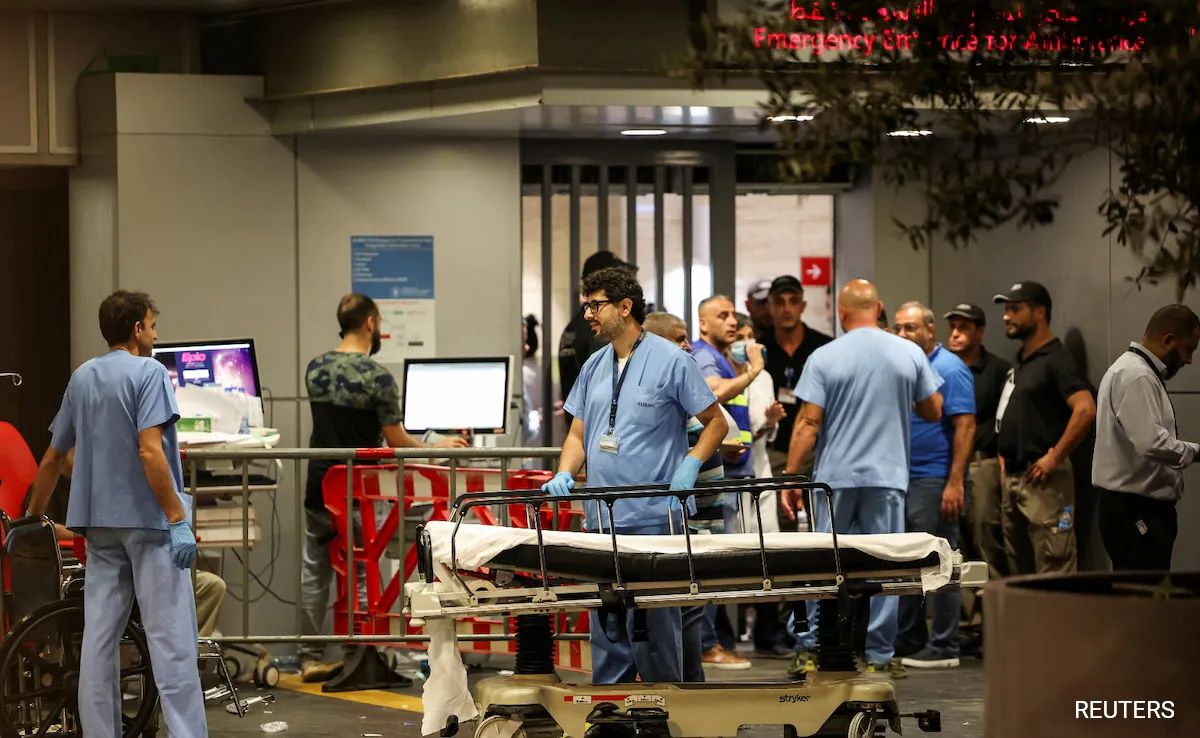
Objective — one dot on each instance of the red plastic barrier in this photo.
(375, 491)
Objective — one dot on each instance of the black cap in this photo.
(760, 290)
(785, 284)
(1031, 292)
(968, 311)
(604, 260)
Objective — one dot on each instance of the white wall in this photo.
(182, 192)
(465, 194)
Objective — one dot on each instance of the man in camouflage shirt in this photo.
(355, 404)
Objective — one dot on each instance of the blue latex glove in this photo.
(15, 534)
(561, 485)
(183, 545)
(685, 474)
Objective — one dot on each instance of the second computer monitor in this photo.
(457, 395)
(230, 364)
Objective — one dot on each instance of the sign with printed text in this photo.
(397, 272)
(816, 271)
(392, 267)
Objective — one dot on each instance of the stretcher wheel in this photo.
(39, 675)
(234, 667)
(862, 725)
(266, 677)
(499, 726)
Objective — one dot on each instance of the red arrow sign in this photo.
(816, 271)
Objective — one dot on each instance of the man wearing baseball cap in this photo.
(983, 531)
(759, 308)
(788, 345)
(1046, 409)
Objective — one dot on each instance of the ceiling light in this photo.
(644, 132)
(786, 118)
(1048, 119)
(910, 134)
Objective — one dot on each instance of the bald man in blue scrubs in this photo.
(126, 498)
(631, 405)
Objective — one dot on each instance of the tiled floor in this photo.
(957, 693)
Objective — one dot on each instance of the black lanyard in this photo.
(1162, 382)
(617, 382)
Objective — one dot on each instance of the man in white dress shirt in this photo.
(1139, 460)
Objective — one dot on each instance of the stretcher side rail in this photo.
(610, 495)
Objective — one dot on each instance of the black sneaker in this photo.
(776, 651)
(931, 658)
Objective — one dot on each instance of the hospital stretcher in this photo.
(471, 570)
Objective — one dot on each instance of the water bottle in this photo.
(244, 429)
(1064, 520)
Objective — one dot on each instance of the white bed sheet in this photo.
(477, 544)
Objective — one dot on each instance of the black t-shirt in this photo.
(575, 346)
(352, 397)
(785, 372)
(1037, 412)
(990, 374)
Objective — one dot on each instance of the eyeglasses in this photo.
(594, 306)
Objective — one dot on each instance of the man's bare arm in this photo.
(964, 444)
(1083, 414)
(572, 456)
(158, 473)
(715, 429)
(804, 440)
(929, 409)
(54, 465)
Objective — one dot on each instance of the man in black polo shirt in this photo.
(983, 531)
(788, 345)
(1046, 409)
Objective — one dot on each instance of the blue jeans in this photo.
(617, 659)
(867, 511)
(923, 514)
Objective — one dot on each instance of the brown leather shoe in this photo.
(318, 671)
(717, 657)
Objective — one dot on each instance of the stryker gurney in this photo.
(530, 574)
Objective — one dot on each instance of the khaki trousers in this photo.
(1034, 542)
(210, 593)
(985, 517)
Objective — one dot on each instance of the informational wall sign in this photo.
(397, 272)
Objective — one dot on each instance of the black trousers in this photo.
(1138, 532)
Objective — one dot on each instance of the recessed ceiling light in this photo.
(910, 134)
(786, 118)
(1048, 119)
(644, 132)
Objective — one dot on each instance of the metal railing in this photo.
(455, 458)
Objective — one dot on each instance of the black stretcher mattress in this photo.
(585, 565)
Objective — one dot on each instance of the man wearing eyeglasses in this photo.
(630, 407)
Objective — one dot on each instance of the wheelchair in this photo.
(42, 613)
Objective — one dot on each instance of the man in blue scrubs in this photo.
(126, 498)
(937, 490)
(858, 391)
(631, 405)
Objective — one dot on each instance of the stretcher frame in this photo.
(833, 701)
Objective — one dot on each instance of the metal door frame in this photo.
(666, 157)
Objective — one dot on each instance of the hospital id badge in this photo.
(609, 443)
(787, 396)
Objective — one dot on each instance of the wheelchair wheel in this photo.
(39, 675)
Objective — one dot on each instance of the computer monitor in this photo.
(457, 395)
(230, 364)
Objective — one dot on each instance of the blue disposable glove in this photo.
(685, 474)
(561, 485)
(183, 545)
